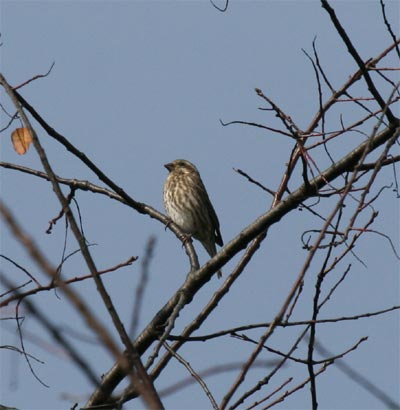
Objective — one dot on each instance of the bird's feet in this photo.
(169, 222)
(185, 237)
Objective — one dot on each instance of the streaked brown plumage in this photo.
(188, 205)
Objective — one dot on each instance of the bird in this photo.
(187, 203)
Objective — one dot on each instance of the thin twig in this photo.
(194, 375)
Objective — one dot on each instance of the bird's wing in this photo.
(215, 223)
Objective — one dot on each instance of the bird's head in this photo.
(180, 165)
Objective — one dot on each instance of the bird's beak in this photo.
(168, 166)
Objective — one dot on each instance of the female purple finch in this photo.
(188, 205)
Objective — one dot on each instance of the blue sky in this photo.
(137, 84)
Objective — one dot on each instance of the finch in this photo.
(187, 203)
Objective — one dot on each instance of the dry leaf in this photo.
(21, 139)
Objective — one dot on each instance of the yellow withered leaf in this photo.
(21, 139)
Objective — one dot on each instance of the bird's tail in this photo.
(212, 251)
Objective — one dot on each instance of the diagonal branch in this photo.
(194, 282)
(144, 384)
(353, 52)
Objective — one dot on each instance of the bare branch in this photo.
(363, 68)
(195, 375)
(35, 77)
